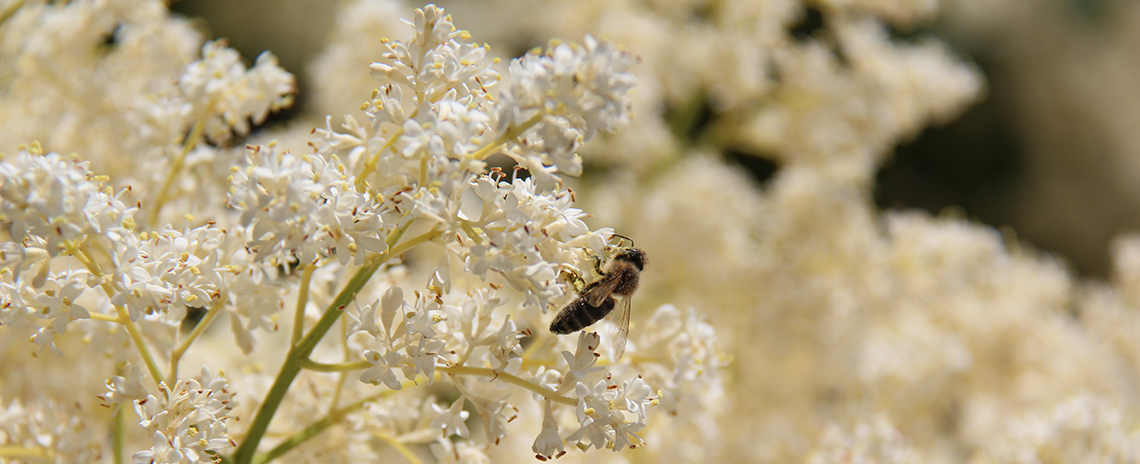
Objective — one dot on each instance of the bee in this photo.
(618, 279)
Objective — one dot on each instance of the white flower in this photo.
(364, 320)
(548, 444)
(392, 301)
(13, 305)
(128, 388)
(382, 369)
(423, 357)
(451, 421)
(56, 302)
(421, 318)
(494, 414)
(622, 433)
(581, 363)
(163, 452)
(593, 415)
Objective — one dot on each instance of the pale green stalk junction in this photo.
(370, 164)
(291, 367)
(510, 134)
(176, 354)
(118, 436)
(399, 446)
(124, 317)
(302, 300)
(176, 167)
(458, 370)
(332, 418)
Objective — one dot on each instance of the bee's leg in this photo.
(622, 239)
(597, 260)
(573, 278)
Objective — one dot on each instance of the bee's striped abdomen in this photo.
(579, 314)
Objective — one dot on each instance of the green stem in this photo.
(332, 418)
(343, 375)
(105, 318)
(124, 316)
(12, 9)
(471, 232)
(509, 135)
(400, 447)
(412, 242)
(509, 378)
(292, 365)
(118, 436)
(20, 452)
(372, 161)
(176, 355)
(175, 168)
(423, 169)
(315, 366)
(302, 301)
(301, 351)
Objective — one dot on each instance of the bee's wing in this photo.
(597, 292)
(621, 318)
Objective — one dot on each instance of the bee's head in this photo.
(633, 256)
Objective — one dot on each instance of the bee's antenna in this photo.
(623, 238)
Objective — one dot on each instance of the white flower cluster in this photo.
(188, 422)
(367, 200)
(48, 199)
(218, 93)
(219, 89)
(50, 432)
(677, 351)
(48, 204)
(305, 207)
(410, 421)
(55, 302)
(433, 122)
(168, 271)
(213, 98)
(412, 338)
(577, 90)
(609, 415)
